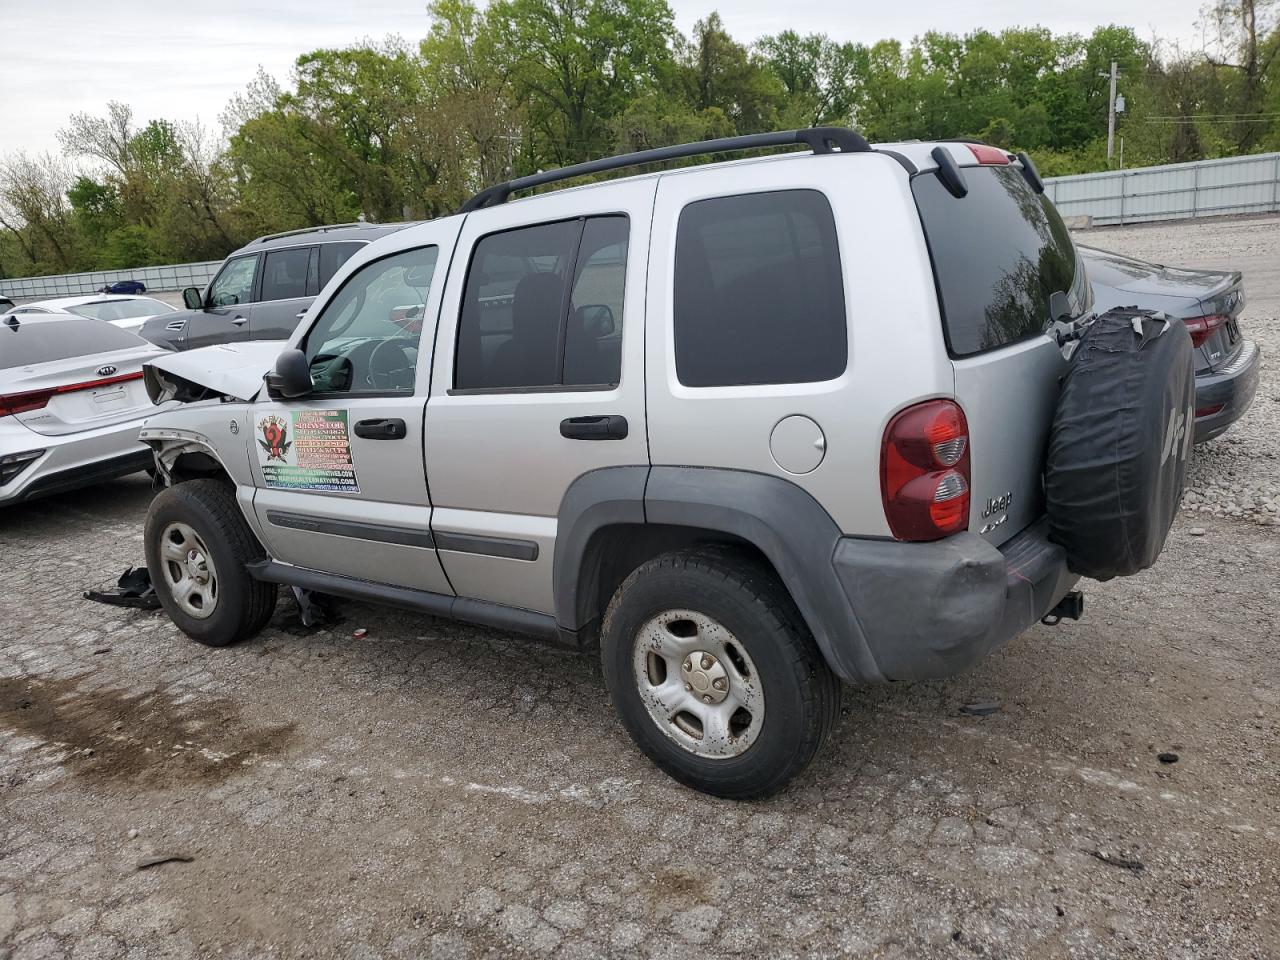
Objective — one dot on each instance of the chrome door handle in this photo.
(300, 314)
(239, 321)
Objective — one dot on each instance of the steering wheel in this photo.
(390, 369)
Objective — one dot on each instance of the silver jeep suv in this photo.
(749, 429)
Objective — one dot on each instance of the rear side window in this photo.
(758, 291)
(39, 341)
(334, 255)
(284, 275)
(999, 253)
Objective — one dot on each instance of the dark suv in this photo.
(263, 288)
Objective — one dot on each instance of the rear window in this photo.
(999, 254)
(759, 296)
(39, 341)
(121, 309)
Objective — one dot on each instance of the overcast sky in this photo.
(184, 61)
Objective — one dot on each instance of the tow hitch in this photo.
(1071, 607)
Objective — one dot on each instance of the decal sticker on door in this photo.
(306, 450)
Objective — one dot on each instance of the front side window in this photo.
(367, 338)
(543, 307)
(758, 292)
(234, 283)
(284, 274)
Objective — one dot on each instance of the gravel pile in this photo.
(1238, 474)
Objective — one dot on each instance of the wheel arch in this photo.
(613, 519)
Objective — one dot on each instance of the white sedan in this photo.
(123, 310)
(72, 401)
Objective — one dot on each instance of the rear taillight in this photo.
(924, 471)
(35, 399)
(986, 154)
(1200, 328)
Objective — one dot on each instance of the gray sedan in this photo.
(1209, 303)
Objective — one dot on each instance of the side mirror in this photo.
(596, 320)
(291, 378)
(193, 299)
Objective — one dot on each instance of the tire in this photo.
(228, 605)
(731, 608)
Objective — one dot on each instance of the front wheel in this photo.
(197, 545)
(714, 674)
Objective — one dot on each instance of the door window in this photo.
(234, 283)
(366, 339)
(543, 307)
(759, 296)
(333, 256)
(284, 275)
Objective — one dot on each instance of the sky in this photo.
(184, 61)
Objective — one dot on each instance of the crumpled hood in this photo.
(231, 370)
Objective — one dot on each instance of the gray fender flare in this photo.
(779, 518)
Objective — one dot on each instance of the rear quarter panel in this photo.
(896, 353)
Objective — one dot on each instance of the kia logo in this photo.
(106, 371)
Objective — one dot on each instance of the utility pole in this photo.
(1111, 112)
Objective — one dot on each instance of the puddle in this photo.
(110, 735)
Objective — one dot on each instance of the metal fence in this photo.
(157, 279)
(1174, 191)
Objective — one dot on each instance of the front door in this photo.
(539, 378)
(341, 483)
(227, 306)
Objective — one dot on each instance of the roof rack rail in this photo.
(819, 139)
(302, 230)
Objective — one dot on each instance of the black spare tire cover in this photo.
(1120, 443)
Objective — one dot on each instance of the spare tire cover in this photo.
(1120, 443)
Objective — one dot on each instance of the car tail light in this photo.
(35, 399)
(924, 471)
(1201, 327)
(14, 463)
(986, 154)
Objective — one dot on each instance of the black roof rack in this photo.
(819, 139)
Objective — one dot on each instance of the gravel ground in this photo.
(435, 790)
(1238, 474)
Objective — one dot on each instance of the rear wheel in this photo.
(715, 675)
(197, 545)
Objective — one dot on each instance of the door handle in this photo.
(609, 427)
(239, 321)
(300, 314)
(389, 429)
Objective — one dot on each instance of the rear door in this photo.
(283, 294)
(539, 378)
(341, 482)
(228, 304)
(999, 255)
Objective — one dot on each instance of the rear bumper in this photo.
(932, 609)
(1228, 392)
(71, 461)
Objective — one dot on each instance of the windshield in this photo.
(122, 309)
